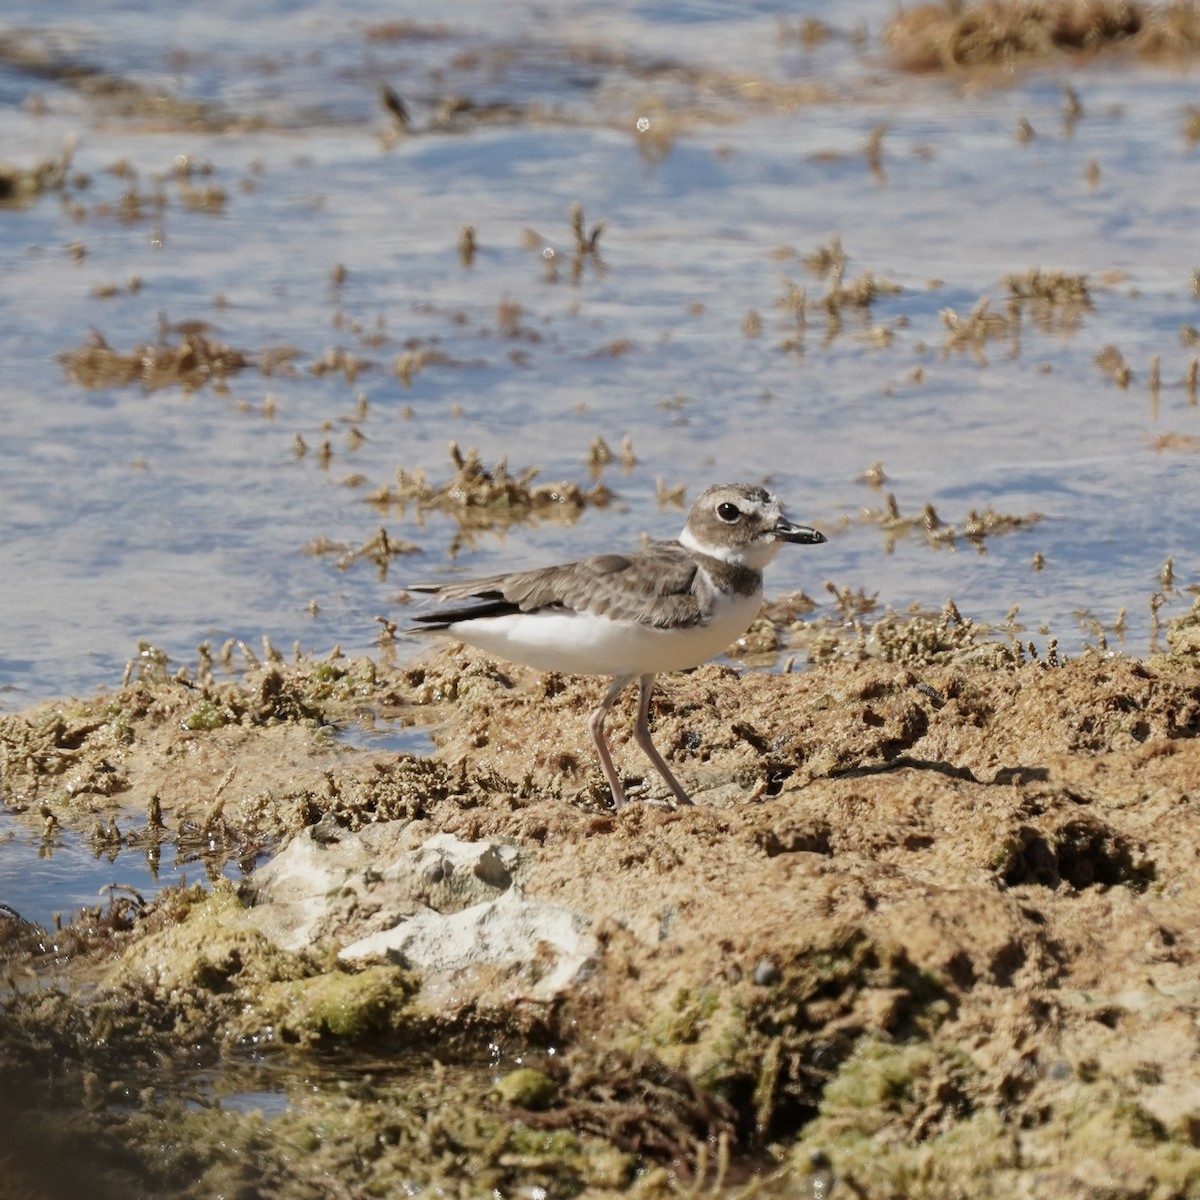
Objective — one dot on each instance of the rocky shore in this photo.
(931, 930)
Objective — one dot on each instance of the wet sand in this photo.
(930, 930)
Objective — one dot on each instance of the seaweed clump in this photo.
(974, 529)
(479, 498)
(996, 33)
(191, 362)
(22, 185)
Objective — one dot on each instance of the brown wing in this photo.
(653, 587)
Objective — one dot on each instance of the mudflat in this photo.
(931, 929)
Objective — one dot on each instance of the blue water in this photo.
(44, 877)
(174, 518)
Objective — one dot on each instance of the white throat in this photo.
(756, 555)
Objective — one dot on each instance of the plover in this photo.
(668, 607)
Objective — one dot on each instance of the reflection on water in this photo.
(74, 871)
(388, 736)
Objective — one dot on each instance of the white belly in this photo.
(583, 644)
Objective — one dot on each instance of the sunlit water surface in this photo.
(172, 518)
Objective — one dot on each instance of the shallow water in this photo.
(43, 878)
(129, 515)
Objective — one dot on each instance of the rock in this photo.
(543, 946)
(527, 1087)
(766, 973)
(317, 888)
(443, 906)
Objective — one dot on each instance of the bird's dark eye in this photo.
(728, 512)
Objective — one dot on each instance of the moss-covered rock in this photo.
(527, 1087)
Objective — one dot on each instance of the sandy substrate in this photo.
(931, 930)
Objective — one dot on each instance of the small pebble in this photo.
(766, 973)
(822, 1180)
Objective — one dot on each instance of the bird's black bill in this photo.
(802, 535)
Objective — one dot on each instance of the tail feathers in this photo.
(434, 621)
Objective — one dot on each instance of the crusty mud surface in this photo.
(932, 929)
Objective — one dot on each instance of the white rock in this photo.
(444, 907)
(545, 945)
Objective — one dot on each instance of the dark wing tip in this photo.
(433, 621)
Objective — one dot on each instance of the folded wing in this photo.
(654, 587)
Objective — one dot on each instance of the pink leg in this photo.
(596, 728)
(641, 735)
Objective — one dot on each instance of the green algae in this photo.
(207, 715)
(430, 1133)
(882, 1083)
(244, 987)
(975, 1157)
(340, 1005)
(527, 1087)
(771, 1049)
(210, 948)
(918, 1121)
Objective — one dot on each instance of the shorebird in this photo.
(671, 606)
